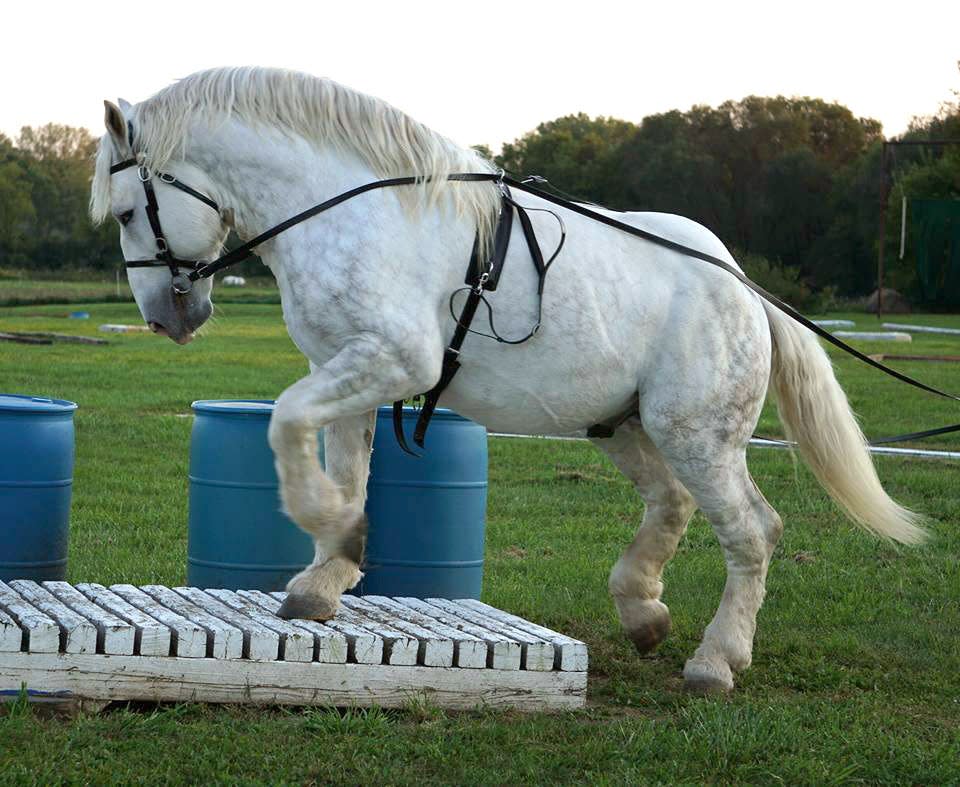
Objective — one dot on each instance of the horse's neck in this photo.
(266, 177)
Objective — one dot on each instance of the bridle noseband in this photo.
(181, 282)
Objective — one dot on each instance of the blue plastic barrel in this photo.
(36, 480)
(237, 536)
(427, 515)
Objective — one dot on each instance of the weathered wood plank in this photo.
(41, 632)
(334, 644)
(151, 637)
(259, 642)
(502, 652)
(115, 636)
(187, 638)
(69, 338)
(433, 650)
(224, 641)
(77, 634)
(170, 679)
(12, 337)
(11, 635)
(572, 653)
(470, 652)
(295, 644)
(397, 648)
(536, 654)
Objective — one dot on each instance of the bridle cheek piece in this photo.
(181, 282)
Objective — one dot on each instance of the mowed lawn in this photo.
(856, 675)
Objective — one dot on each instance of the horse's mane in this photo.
(319, 110)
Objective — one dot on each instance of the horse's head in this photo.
(165, 228)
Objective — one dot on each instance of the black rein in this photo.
(202, 270)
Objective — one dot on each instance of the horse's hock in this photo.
(90, 644)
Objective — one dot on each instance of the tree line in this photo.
(44, 188)
(791, 184)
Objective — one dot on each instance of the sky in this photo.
(488, 72)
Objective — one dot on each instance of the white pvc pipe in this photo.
(871, 336)
(759, 442)
(835, 323)
(921, 328)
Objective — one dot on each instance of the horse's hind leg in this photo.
(635, 579)
(748, 529)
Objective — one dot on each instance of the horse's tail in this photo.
(815, 413)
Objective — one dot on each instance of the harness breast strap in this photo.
(480, 278)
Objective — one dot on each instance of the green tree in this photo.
(58, 163)
(577, 153)
(16, 207)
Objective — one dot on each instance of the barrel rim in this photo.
(219, 406)
(26, 403)
(412, 413)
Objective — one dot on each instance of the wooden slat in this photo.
(114, 635)
(502, 652)
(296, 644)
(188, 638)
(395, 647)
(572, 653)
(223, 640)
(171, 679)
(77, 634)
(11, 635)
(433, 650)
(399, 648)
(259, 642)
(334, 644)
(470, 652)
(536, 654)
(151, 637)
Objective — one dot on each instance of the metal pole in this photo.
(884, 198)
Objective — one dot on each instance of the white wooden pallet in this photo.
(95, 644)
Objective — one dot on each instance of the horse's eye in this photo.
(124, 218)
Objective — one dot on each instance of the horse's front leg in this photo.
(329, 506)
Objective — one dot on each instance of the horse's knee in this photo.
(287, 428)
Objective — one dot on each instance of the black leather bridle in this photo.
(181, 282)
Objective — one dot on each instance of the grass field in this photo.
(856, 676)
(19, 289)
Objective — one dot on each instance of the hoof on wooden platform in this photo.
(299, 606)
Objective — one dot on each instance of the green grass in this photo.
(856, 677)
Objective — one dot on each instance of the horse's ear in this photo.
(124, 104)
(115, 122)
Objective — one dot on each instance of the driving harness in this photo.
(482, 276)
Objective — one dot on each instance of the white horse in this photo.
(627, 325)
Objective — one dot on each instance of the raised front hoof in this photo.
(299, 606)
(707, 677)
(646, 622)
(648, 634)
